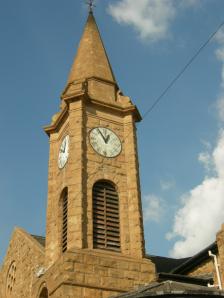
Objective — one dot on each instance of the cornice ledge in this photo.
(73, 97)
(85, 285)
(112, 83)
(126, 110)
(55, 126)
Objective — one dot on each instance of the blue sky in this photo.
(181, 142)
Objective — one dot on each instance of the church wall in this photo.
(94, 272)
(112, 169)
(70, 176)
(56, 183)
(133, 190)
(74, 291)
(123, 172)
(1, 284)
(207, 267)
(220, 244)
(88, 272)
(83, 169)
(103, 91)
(26, 255)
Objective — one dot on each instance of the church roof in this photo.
(197, 259)
(164, 264)
(39, 239)
(184, 265)
(91, 59)
(172, 289)
(202, 280)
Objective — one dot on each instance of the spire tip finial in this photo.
(91, 5)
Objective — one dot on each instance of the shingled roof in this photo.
(172, 289)
(164, 264)
(184, 265)
(197, 259)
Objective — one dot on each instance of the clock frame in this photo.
(63, 153)
(105, 142)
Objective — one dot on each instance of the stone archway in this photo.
(44, 293)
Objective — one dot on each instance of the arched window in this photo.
(11, 280)
(44, 293)
(64, 230)
(106, 225)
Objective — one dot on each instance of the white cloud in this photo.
(205, 159)
(150, 18)
(154, 208)
(167, 184)
(189, 3)
(219, 37)
(220, 107)
(202, 210)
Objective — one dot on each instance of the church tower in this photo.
(94, 245)
(94, 233)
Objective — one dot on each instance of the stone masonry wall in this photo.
(24, 256)
(206, 267)
(220, 244)
(98, 274)
(1, 284)
(83, 169)
(123, 171)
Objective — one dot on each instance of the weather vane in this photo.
(91, 5)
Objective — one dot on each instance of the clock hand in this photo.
(101, 135)
(107, 139)
(62, 149)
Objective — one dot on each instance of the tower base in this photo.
(99, 274)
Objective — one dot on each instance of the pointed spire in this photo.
(91, 59)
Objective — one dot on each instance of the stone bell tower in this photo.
(94, 238)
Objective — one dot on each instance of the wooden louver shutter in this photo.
(106, 227)
(65, 221)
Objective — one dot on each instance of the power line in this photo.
(177, 77)
(158, 99)
(162, 94)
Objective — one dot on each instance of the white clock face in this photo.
(63, 152)
(105, 142)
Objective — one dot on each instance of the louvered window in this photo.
(44, 293)
(64, 220)
(106, 227)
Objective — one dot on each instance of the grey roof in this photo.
(197, 259)
(165, 264)
(184, 265)
(172, 289)
(202, 280)
(39, 239)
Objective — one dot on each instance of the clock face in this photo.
(63, 152)
(105, 142)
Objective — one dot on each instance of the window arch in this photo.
(106, 223)
(44, 293)
(64, 222)
(11, 279)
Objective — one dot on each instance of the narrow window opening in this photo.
(44, 293)
(106, 224)
(64, 235)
